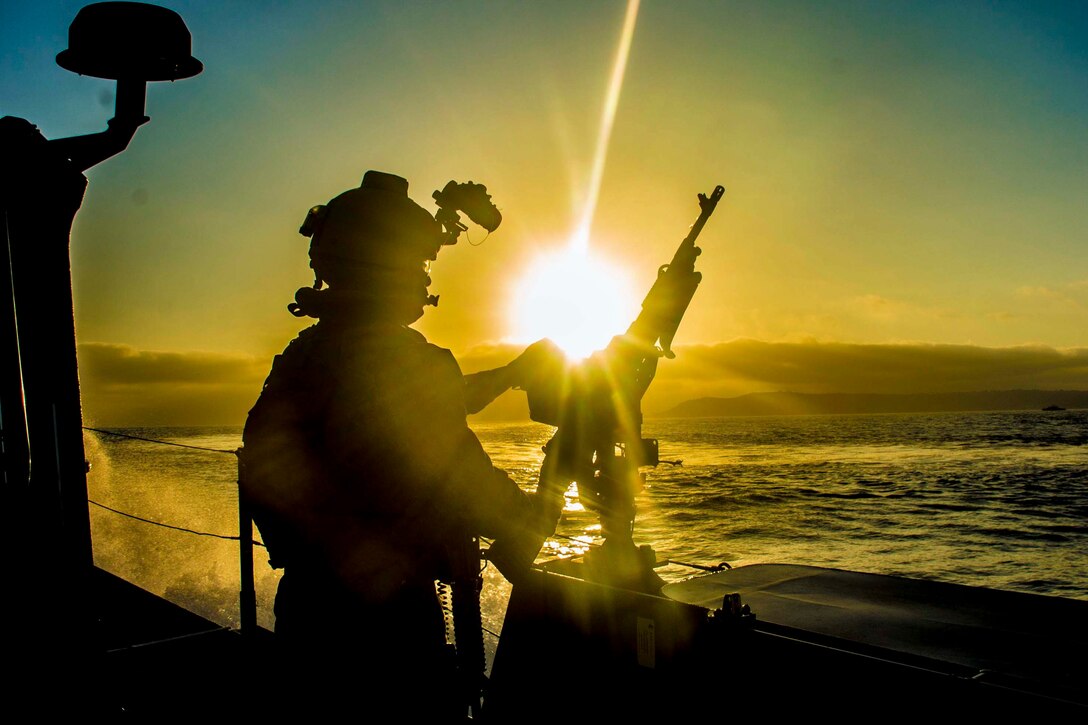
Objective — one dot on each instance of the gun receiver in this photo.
(596, 408)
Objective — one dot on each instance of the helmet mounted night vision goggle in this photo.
(454, 198)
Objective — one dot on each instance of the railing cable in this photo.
(169, 526)
(163, 443)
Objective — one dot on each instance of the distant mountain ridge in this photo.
(846, 403)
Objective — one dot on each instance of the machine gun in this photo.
(596, 408)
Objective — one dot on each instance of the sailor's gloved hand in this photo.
(541, 359)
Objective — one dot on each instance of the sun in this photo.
(578, 300)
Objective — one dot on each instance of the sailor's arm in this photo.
(491, 502)
(498, 509)
(485, 498)
(483, 387)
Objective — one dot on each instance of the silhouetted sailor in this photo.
(366, 480)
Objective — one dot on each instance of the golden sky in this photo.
(902, 176)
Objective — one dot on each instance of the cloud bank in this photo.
(822, 367)
(124, 386)
(739, 367)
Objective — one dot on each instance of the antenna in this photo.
(131, 43)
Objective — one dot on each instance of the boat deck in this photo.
(1026, 641)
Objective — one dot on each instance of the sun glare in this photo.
(574, 298)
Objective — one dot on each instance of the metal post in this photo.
(247, 593)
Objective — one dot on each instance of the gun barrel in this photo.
(671, 293)
(706, 207)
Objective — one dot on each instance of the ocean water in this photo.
(985, 499)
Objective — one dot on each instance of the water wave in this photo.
(986, 499)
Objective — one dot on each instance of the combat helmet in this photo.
(375, 225)
(372, 246)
